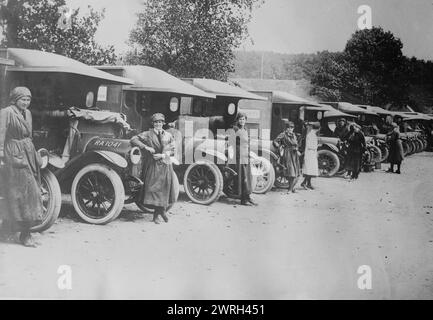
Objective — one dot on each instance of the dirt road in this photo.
(307, 245)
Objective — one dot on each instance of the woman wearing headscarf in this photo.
(396, 153)
(311, 166)
(290, 159)
(355, 150)
(158, 146)
(21, 168)
(243, 163)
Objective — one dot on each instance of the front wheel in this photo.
(97, 194)
(376, 154)
(203, 182)
(384, 151)
(51, 201)
(328, 163)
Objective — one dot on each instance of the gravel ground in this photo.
(307, 245)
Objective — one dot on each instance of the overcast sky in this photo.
(295, 26)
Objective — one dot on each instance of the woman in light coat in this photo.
(311, 167)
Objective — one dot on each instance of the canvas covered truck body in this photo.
(100, 176)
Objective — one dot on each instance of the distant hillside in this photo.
(278, 66)
(293, 73)
(300, 88)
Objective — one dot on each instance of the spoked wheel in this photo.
(280, 180)
(384, 151)
(265, 175)
(329, 163)
(405, 147)
(230, 176)
(51, 201)
(203, 182)
(97, 194)
(376, 154)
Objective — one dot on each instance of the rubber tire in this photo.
(271, 179)
(333, 156)
(176, 187)
(376, 154)
(55, 201)
(385, 152)
(412, 147)
(119, 193)
(218, 182)
(277, 184)
(405, 148)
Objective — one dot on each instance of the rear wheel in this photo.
(203, 182)
(97, 194)
(51, 201)
(265, 173)
(328, 163)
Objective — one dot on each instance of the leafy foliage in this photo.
(190, 38)
(33, 24)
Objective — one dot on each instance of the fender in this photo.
(114, 158)
(66, 175)
(269, 155)
(331, 147)
(214, 153)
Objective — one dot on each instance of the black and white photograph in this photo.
(216, 150)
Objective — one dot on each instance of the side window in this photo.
(129, 100)
(144, 104)
(186, 105)
(102, 93)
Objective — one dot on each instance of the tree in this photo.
(41, 25)
(190, 38)
(378, 58)
(370, 70)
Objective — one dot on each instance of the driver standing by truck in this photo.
(342, 129)
(158, 146)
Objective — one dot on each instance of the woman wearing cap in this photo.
(243, 164)
(396, 153)
(290, 159)
(311, 166)
(21, 168)
(355, 150)
(158, 190)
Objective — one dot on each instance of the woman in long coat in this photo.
(290, 159)
(21, 168)
(396, 153)
(356, 148)
(239, 133)
(311, 166)
(158, 145)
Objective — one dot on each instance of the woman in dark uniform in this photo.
(355, 150)
(21, 168)
(158, 146)
(290, 159)
(396, 153)
(243, 166)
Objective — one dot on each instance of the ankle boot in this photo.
(155, 218)
(164, 216)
